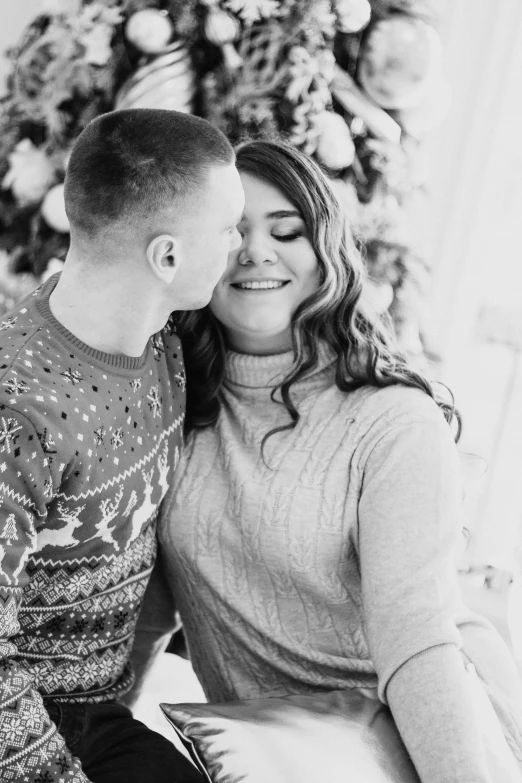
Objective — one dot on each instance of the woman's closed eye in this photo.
(288, 237)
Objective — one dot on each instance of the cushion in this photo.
(339, 737)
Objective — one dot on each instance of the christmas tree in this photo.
(354, 83)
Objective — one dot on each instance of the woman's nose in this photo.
(256, 250)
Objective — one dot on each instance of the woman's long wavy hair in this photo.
(365, 348)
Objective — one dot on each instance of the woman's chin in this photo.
(254, 337)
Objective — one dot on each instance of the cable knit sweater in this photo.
(330, 565)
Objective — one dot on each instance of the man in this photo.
(91, 412)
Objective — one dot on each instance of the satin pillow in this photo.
(334, 737)
(338, 737)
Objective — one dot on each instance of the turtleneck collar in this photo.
(266, 372)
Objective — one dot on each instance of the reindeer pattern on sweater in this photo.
(88, 442)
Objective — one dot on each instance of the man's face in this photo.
(206, 235)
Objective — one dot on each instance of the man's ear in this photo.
(164, 257)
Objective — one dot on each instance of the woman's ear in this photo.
(164, 257)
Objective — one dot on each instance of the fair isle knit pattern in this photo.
(88, 442)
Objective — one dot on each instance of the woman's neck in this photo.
(260, 344)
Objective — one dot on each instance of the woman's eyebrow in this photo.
(282, 213)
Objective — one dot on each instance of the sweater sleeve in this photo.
(409, 526)
(156, 624)
(430, 702)
(29, 741)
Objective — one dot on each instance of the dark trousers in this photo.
(113, 747)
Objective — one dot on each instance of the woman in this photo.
(311, 534)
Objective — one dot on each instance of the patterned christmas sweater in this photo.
(88, 441)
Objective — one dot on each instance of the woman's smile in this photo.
(259, 286)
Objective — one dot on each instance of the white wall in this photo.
(477, 172)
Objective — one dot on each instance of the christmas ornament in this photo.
(30, 175)
(222, 29)
(149, 30)
(54, 265)
(53, 210)
(165, 83)
(429, 113)
(335, 148)
(400, 60)
(352, 15)
(357, 103)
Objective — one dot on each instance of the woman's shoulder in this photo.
(398, 419)
(381, 409)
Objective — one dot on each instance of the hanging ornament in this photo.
(335, 148)
(165, 83)
(149, 30)
(30, 175)
(222, 29)
(54, 265)
(429, 113)
(53, 210)
(400, 60)
(352, 15)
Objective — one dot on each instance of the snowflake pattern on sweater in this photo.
(87, 444)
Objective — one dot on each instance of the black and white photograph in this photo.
(260, 391)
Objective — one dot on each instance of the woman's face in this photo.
(268, 276)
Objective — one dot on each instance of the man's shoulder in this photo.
(22, 337)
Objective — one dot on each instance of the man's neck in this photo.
(103, 310)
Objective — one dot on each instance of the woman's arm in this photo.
(430, 702)
(409, 527)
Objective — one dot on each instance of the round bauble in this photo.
(149, 30)
(401, 58)
(30, 175)
(335, 148)
(54, 266)
(352, 15)
(221, 27)
(53, 210)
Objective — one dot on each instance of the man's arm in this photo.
(156, 624)
(30, 745)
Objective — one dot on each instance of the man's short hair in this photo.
(135, 162)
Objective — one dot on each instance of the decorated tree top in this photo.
(354, 83)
